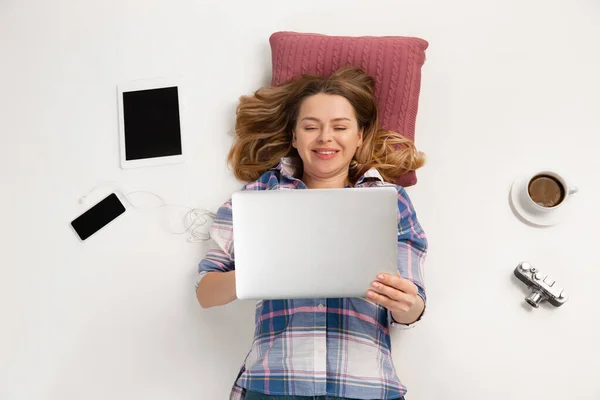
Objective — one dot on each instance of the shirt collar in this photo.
(291, 168)
(371, 174)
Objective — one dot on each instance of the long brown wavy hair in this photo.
(265, 120)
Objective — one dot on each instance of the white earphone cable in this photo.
(194, 220)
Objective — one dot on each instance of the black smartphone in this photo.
(98, 216)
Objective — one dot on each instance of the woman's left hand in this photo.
(395, 293)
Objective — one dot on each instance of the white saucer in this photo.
(548, 219)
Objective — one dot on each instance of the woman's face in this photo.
(326, 135)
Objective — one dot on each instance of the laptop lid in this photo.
(313, 243)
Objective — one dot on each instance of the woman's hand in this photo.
(216, 289)
(398, 295)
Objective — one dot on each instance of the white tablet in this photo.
(150, 122)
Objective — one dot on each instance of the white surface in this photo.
(147, 84)
(327, 254)
(508, 85)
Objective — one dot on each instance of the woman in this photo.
(320, 133)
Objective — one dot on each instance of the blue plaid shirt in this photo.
(321, 347)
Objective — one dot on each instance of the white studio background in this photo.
(507, 86)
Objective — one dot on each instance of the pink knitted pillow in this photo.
(394, 62)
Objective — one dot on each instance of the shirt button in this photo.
(320, 306)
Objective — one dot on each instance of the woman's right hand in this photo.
(216, 289)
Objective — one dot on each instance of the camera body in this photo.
(543, 287)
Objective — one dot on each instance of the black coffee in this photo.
(546, 190)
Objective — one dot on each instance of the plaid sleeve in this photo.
(219, 257)
(412, 247)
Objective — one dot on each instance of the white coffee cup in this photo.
(532, 205)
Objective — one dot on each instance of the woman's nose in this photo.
(325, 135)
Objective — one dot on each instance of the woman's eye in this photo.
(310, 128)
(340, 128)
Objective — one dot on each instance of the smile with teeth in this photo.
(325, 154)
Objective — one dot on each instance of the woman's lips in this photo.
(326, 154)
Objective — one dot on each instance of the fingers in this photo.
(389, 303)
(381, 299)
(399, 283)
(393, 298)
(389, 291)
(393, 292)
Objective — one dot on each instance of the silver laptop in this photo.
(313, 242)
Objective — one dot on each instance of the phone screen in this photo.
(98, 216)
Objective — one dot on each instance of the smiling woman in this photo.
(309, 133)
(326, 137)
(266, 123)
